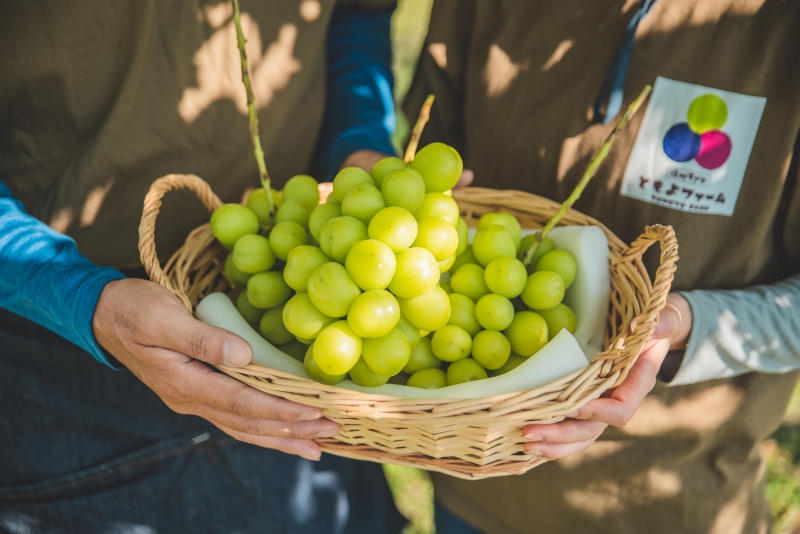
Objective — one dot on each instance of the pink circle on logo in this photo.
(715, 147)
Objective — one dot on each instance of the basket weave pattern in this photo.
(471, 439)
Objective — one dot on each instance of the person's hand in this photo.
(583, 426)
(147, 329)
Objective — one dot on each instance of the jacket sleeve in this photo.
(360, 112)
(44, 278)
(755, 329)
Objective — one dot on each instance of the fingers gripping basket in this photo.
(469, 439)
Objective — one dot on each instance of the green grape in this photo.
(470, 280)
(446, 286)
(544, 247)
(272, 327)
(387, 355)
(250, 313)
(463, 236)
(374, 313)
(438, 205)
(560, 262)
(491, 349)
(399, 379)
(372, 264)
(277, 198)
(295, 211)
(557, 318)
(544, 290)
(362, 375)
(337, 348)
(446, 265)
(332, 290)
(384, 167)
(267, 290)
(348, 178)
(527, 333)
(439, 165)
(316, 372)
(302, 188)
(451, 343)
(294, 348)
(404, 188)
(257, 202)
(429, 311)
(422, 357)
(428, 379)
(466, 370)
(304, 340)
(494, 312)
(229, 222)
(363, 202)
(417, 273)
(303, 319)
(301, 262)
(339, 235)
(514, 361)
(253, 254)
(506, 220)
(462, 313)
(286, 236)
(409, 330)
(395, 227)
(236, 277)
(322, 214)
(437, 236)
(464, 258)
(494, 242)
(506, 276)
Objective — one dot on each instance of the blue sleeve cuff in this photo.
(360, 113)
(46, 280)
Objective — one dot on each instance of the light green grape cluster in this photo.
(357, 279)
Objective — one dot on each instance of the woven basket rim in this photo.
(194, 271)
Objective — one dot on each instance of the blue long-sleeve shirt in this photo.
(44, 277)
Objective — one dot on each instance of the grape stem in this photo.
(588, 175)
(251, 110)
(416, 133)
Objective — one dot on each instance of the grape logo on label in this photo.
(684, 158)
(701, 137)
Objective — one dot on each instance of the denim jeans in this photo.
(449, 523)
(85, 449)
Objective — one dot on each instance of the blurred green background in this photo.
(412, 488)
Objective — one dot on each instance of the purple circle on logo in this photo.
(681, 143)
(715, 147)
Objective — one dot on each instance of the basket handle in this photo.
(646, 324)
(147, 226)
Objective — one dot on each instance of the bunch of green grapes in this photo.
(352, 287)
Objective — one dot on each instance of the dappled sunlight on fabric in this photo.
(219, 68)
(501, 71)
(93, 203)
(438, 52)
(558, 54)
(702, 412)
(311, 486)
(61, 220)
(598, 450)
(731, 518)
(599, 500)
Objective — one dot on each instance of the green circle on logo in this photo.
(707, 112)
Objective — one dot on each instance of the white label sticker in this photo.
(692, 149)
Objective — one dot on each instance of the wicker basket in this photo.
(470, 439)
